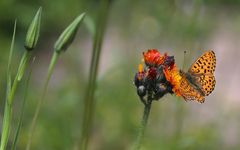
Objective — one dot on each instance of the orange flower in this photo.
(140, 68)
(150, 78)
(153, 58)
(172, 75)
(140, 74)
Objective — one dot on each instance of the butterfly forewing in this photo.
(205, 64)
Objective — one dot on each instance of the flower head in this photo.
(150, 79)
(153, 58)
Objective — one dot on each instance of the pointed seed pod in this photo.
(33, 31)
(68, 35)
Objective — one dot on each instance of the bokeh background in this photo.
(172, 26)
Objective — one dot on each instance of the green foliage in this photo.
(63, 42)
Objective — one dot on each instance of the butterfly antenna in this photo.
(184, 60)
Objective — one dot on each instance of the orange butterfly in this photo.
(198, 82)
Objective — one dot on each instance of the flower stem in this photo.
(144, 121)
(40, 102)
(22, 108)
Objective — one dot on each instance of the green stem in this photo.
(6, 125)
(40, 102)
(22, 109)
(144, 121)
(9, 100)
(89, 103)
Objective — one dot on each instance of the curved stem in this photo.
(40, 102)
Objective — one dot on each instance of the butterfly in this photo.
(199, 80)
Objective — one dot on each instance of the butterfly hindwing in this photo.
(207, 83)
(188, 92)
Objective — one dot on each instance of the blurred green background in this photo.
(171, 26)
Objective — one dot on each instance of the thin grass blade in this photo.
(7, 108)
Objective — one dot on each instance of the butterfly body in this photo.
(192, 80)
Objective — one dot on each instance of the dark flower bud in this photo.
(141, 91)
(169, 61)
(152, 73)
